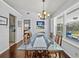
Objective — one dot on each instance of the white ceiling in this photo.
(35, 5)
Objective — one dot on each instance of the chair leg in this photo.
(53, 54)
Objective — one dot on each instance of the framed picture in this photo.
(3, 20)
(19, 23)
(40, 24)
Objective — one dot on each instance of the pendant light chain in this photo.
(43, 15)
(43, 4)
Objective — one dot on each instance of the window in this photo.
(72, 24)
(72, 30)
(59, 27)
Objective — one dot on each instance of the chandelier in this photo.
(44, 14)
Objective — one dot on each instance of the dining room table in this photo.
(41, 46)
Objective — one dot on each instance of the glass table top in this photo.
(41, 42)
(54, 47)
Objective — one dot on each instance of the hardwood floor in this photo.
(13, 52)
(23, 54)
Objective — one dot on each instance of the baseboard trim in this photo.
(17, 43)
(4, 51)
(66, 54)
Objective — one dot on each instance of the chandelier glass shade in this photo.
(44, 14)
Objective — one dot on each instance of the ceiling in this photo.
(23, 6)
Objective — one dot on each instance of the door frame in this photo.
(9, 28)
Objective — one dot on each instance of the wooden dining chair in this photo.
(58, 40)
(27, 36)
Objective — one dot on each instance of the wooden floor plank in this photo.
(13, 52)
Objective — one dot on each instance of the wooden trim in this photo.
(65, 55)
(60, 17)
(73, 11)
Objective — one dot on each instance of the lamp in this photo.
(44, 14)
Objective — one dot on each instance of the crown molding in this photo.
(10, 7)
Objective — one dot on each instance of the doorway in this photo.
(12, 29)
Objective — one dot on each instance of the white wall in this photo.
(34, 17)
(4, 30)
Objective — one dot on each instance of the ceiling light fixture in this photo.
(44, 14)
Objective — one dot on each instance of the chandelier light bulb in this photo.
(40, 16)
(48, 15)
(45, 12)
